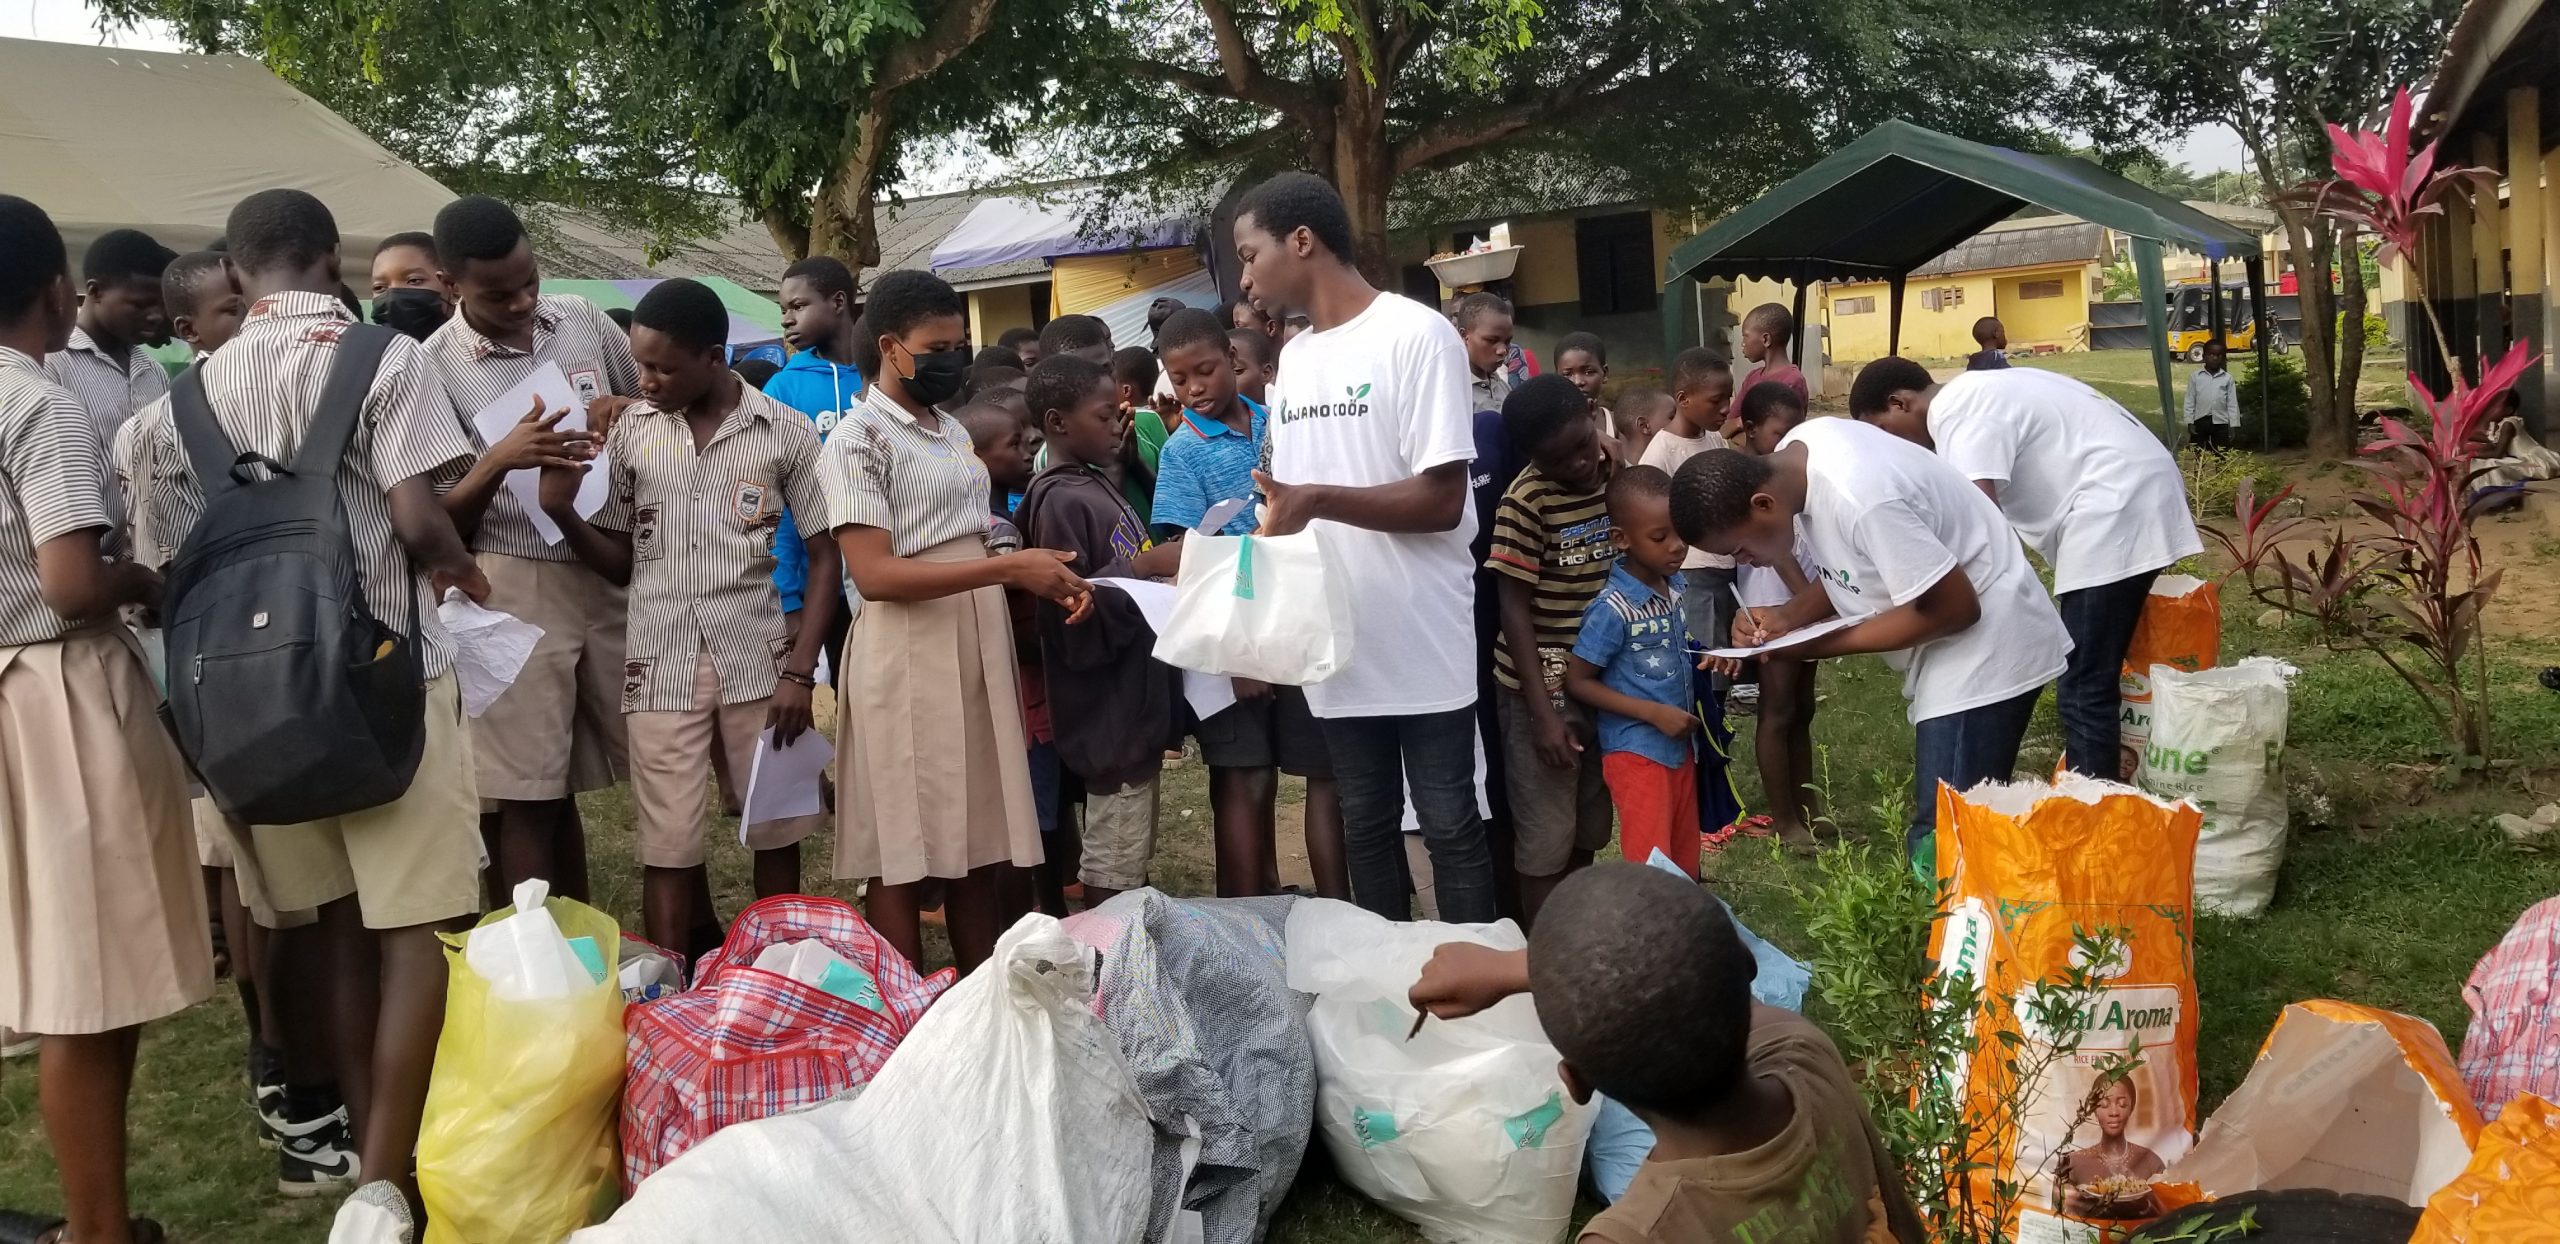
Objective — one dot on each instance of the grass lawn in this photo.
(2392, 887)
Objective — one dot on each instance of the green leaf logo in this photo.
(1358, 393)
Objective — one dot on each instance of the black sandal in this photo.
(20, 1227)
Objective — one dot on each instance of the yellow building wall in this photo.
(1547, 272)
(1944, 333)
(2060, 321)
(994, 311)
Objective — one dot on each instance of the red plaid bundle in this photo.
(743, 1044)
(2513, 1047)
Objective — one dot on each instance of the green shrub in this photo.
(2377, 332)
(2287, 398)
(2213, 480)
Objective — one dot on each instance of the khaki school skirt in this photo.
(102, 922)
(932, 780)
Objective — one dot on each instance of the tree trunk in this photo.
(840, 221)
(1364, 171)
(2312, 243)
(2351, 334)
(789, 236)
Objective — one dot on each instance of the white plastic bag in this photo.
(1006, 1114)
(1260, 607)
(2217, 737)
(490, 648)
(525, 957)
(1463, 1130)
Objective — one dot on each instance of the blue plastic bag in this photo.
(1619, 1140)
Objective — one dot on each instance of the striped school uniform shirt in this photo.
(56, 484)
(1558, 542)
(702, 528)
(917, 479)
(111, 389)
(265, 387)
(591, 351)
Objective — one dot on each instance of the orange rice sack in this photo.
(2510, 1193)
(2027, 868)
(2181, 627)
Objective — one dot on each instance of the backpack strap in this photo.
(333, 424)
(210, 454)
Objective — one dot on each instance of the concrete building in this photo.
(2488, 270)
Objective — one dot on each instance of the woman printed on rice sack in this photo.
(2112, 1178)
(933, 779)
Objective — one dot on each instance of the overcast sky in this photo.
(2205, 150)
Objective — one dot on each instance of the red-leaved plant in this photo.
(2413, 592)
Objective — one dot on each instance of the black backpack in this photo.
(293, 702)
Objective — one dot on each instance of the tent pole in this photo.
(1679, 308)
(1797, 345)
(2213, 278)
(2155, 320)
(2256, 269)
(1893, 319)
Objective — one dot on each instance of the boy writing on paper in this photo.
(1114, 708)
(1920, 561)
(701, 470)
(2084, 483)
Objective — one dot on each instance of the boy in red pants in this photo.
(1630, 666)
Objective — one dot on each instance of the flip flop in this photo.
(20, 1227)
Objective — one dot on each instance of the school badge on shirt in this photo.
(746, 500)
(589, 383)
(644, 533)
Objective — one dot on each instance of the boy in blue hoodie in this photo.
(820, 381)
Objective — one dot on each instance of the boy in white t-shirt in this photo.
(1371, 431)
(2084, 483)
(1923, 564)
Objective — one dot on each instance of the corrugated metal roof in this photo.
(2014, 247)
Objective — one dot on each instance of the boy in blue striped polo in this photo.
(1209, 457)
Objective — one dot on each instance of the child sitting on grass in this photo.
(1644, 987)
(1630, 666)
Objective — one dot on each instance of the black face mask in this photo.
(939, 375)
(410, 310)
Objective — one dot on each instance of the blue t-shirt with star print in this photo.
(1637, 638)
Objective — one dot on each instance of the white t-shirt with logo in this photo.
(1885, 520)
(1378, 400)
(2087, 486)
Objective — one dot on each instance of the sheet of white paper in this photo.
(784, 782)
(1788, 640)
(500, 417)
(1208, 694)
(489, 648)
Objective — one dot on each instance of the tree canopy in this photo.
(667, 114)
(1700, 105)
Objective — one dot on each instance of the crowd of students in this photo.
(1538, 574)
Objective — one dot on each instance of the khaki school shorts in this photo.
(414, 860)
(558, 730)
(671, 764)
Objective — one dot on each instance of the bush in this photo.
(2214, 480)
(2287, 402)
(2377, 332)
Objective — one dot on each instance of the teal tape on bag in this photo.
(1528, 1129)
(1372, 1128)
(1244, 568)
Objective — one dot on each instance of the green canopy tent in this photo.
(1901, 196)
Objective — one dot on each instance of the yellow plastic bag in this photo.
(2028, 869)
(2510, 1193)
(2180, 627)
(519, 1133)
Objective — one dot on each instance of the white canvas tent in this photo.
(105, 138)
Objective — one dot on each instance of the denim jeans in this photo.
(1960, 749)
(1373, 760)
(2090, 696)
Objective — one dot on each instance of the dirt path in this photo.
(2525, 542)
